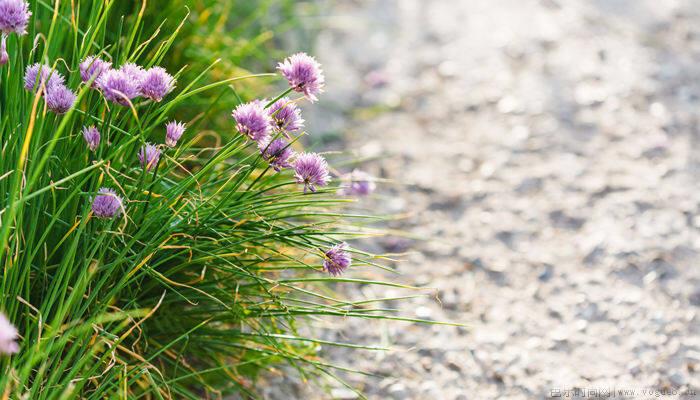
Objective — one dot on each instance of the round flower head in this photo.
(304, 74)
(311, 169)
(277, 153)
(59, 98)
(107, 204)
(337, 259)
(92, 137)
(8, 335)
(93, 67)
(149, 156)
(156, 83)
(118, 87)
(173, 132)
(286, 116)
(357, 183)
(252, 120)
(14, 16)
(40, 74)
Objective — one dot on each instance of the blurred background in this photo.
(539, 162)
(540, 157)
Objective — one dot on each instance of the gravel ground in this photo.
(548, 151)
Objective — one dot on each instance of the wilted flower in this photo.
(118, 87)
(252, 120)
(311, 169)
(14, 16)
(173, 132)
(304, 74)
(92, 137)
(149, 156)
(286, 116)
(107, 204)
(49, 77)
(59, 98)
(337, 259)
(357, 183)
(93, 67)
(8, 335)
(156, 83)
(277, 153)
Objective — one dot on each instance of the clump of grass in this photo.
(140, 261)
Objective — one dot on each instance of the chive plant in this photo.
(147, 257)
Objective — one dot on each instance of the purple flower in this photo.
(311, 169)
(118, 87)
(156, 83)
(252, 120)
(173, 132)
(286, 116)
(357, 183)
(133, 71)
(107, 204)
(8, 335)
(304, 74)
(92, 137)
(93, 67)
(277, 153)
(149, 156)
(14, 16)
(337, 259)
(49, 77)
(59, 98)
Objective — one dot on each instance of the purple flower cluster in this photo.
(173, 132)
(59, 98)
(130, 81)
(118, 86)
(357, 183)
(14, 17)
(8, 336)
(37, 75)
(92, 68)
(337, 259)
(283, 116)
(311, 170)
(286, 116)
(263, 124)
(304, 74)
(253, 120)
(107, 204)
(92, 137)
(149, 156)
(277, 153)
(259, 122)
(156, 83)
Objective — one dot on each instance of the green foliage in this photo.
(201, 283)
(213, 272)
